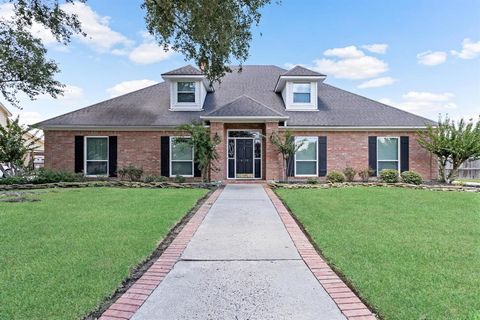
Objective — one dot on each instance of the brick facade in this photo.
(142, 149)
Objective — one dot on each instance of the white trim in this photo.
(85, 138)
(170, 158)
(111, 128)
(253, 153)
(316, 158)
(247, 119)
(359, 128)
(282, 80)
(398, 153)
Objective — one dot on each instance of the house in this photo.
(337, 128)
(4, 115)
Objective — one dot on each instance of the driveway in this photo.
(240, 264)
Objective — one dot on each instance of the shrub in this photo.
(365, 174)
(312, 181)
(335, 177)
(155, 179)
(179, 179)
(14, 180)
(44, 176)
(131, 173)
(349, 173)
(389, 176)
(411, 177)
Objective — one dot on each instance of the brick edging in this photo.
(129, 302)
(347, 301)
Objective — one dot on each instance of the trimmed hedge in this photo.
(411, 177)
(44, 176)
(389, 176)
(335, 177)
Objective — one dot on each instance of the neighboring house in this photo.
(339, 128)
(4, 115)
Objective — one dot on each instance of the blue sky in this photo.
(421, 56)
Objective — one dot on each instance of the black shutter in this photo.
(196, 170)
(322, 156)
(372, 154)
(79, 150)
(291, 164)
(404, 156)
(165, 156)
(112, 156)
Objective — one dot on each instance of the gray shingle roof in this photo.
(301, 71)
(150, 106)
(244, 106)
(187, 70)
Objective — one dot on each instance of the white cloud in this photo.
(99, 34)
(376, 83)
(29, 117)
(470, 49)
(129, 86)
(432, 58)
(425, 103)
(149, 52)
(345, 52)
(376, 47)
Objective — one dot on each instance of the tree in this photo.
(23, 65)
(287, 147)
(210, 32)
(14, 147)
(204, 146)
(452, 143)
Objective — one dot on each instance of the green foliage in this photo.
(349, 173)
(389, 176)
(131, 173)
(312, 181)
(365, 174)
(411, 177)
(14, 147)
(335, 177)
(209, 32)
(204, 147)
(44, 176)
(287, 147)
(452, 142)
(179, 179)
(23, 65)
(155, 179)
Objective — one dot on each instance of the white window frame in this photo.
(398, 153)
(196, 94)
(293, 92)
(171, 160)
(316, 158)
(85, 141)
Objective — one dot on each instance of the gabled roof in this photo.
(187, 70)
(149, 107)
(299, 71)
(5, 110)
(244, 106)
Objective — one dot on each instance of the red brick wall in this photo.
(142, 148)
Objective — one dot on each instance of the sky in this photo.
(421, 56)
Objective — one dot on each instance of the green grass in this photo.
(62, 256)
(412, 254)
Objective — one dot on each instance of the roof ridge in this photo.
(240, 97)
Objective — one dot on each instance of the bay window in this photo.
(388, 153)
(306, 156)
(181, 157)
(96, 156)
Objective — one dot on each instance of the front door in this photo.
(244, 158)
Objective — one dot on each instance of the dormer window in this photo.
(186, 92)
(301, 92)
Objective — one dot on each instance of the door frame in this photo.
(253, 153)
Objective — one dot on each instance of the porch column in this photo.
(273, 165)
(218, 128)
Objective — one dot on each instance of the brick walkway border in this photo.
(128, 303)
(350, 305)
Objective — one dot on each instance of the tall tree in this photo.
(23, 63)
(453, 143)
(211, 32)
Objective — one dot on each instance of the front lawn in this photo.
(411, 254)
(62, 256)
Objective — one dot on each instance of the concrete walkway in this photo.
(240, 264)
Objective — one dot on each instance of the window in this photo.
(186, 92)
(301, 92)
(387, 154)
(96, 156)
(306, 156)
(181, 157)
